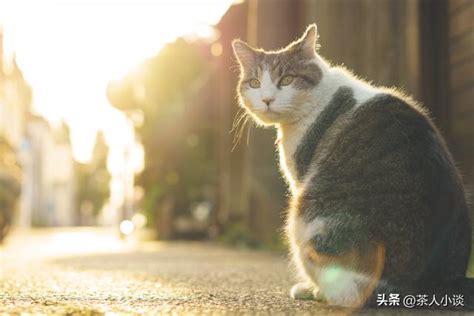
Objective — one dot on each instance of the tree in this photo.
(93, 181)
(179, 168)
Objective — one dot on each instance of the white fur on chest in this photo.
(289, 141)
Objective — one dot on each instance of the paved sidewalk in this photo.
(89, 271)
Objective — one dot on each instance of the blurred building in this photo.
(15, 101)
(48, 189)
(15, 98)
(43, 153)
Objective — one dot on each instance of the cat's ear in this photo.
(245, 54)
(307, 43)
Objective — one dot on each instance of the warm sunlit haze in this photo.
(69, 50)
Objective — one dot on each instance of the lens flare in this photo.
(126, 227)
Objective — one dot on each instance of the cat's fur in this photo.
(377, 205)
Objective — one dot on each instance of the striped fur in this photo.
(377, 202)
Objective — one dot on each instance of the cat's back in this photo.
(386, 131)
(381, 172)
(382, 154)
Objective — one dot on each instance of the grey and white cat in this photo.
(377, 204)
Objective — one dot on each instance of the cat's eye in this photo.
(286, 80)
(254, 83)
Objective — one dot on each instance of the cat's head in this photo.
(276, 87)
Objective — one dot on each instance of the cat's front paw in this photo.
(306, 291)
(302, 291)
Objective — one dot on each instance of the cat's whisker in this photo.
(247, 124)
(241, 119)
(237, 119)
(248, 131)
(235, 122)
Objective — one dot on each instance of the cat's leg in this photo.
(307, 288)
(345, 277)
(338, 257)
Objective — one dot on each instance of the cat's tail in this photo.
(455, 293)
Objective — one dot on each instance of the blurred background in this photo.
(119, 114)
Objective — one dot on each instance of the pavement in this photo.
(87, 271)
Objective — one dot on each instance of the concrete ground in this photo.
(90, 271)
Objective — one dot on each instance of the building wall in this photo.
(461, 81)
(48, 178)
(15, 100)
(12, 110)
(378, 40)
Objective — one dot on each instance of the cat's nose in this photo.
(268, 101)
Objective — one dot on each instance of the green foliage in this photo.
(164, 79)
(170, 74)
(93, 178)
(179, 160)
(153, 193)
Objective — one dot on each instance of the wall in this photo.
(461, 80)
(48, 178)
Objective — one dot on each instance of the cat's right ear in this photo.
(246, 55)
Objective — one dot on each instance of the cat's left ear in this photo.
(245, 54)
(307, 43)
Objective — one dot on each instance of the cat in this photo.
(377, 205)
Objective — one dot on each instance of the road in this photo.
(90, 271)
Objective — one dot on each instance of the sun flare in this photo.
(69, 51)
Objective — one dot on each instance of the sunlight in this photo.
(69, 51)
(127, 227)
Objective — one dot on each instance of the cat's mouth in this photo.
(270, 113)
(267, 115)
